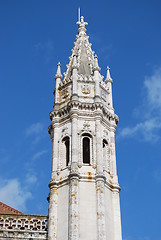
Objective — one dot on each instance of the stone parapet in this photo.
(15, 226)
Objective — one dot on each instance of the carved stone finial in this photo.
(58, 73)
(108, 76)
(82, 26)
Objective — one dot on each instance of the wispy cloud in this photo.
(31, 178)
(14, 194)
(148, 129)
(35, 128)
(39, 154)
(36, 131)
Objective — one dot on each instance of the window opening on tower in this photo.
(67, 147)
(86, 150)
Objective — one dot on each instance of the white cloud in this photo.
(153, 89)
(38, 154)
(14, 194)
(148, 129)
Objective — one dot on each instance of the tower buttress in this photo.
(84, 190)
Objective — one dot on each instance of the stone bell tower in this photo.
(84, 190)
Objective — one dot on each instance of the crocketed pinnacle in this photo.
(108, 76)
(96, 67)
(58, 73)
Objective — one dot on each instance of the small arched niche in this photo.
(66, 148)
(86, 148)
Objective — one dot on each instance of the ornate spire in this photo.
(58, 73)
(83, 52)
(108, 76)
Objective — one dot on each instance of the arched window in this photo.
(86, 148)
(66, 142)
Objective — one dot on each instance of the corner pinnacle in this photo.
(58, 73)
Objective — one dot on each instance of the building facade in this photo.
(84, 190)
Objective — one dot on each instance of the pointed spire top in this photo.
(58, 73)
(82, 26)
(96, 67)
(108, 76)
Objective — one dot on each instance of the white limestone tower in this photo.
(84, 190)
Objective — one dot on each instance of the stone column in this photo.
(55, 149)
(100, 188)
(74, 184)
(100, 194)
(52, 221)
(75, 143)
(74, 206)
(113, 158)
(99, 159)
(116, 215)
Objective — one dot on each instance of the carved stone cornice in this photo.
(77, 106)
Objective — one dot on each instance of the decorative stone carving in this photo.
(65, 93)
(86, 126)
(23, 226)
(85, 89)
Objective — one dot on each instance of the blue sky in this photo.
(125, 35)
